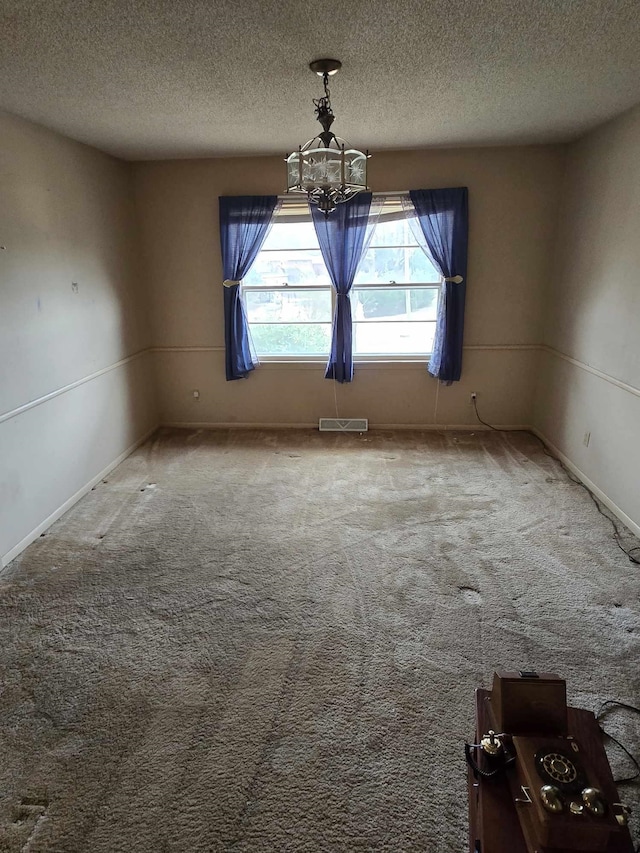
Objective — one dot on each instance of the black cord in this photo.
(486, 774)
(615, 704)
(611, 705)
(617, 536)
(495, 429)
(627, 779)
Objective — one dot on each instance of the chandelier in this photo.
(324, 168)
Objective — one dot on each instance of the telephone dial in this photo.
(539, 779)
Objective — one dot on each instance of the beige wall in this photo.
(74, 394)
(590, 372)
(513, 195)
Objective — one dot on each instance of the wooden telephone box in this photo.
(541, 781)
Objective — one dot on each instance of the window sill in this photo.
(361, 362)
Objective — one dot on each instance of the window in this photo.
(289, 298)
(395, 293)
(288, 293)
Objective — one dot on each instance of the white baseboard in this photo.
(58, 513)
(452, 427)
(602, 497)
(372, 427)
(223, 425)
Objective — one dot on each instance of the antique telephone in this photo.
(551, 775)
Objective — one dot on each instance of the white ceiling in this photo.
(149, 79)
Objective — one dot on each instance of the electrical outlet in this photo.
(474, 397)
(586, 439)
(196, 395)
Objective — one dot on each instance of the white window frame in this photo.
(298, 208)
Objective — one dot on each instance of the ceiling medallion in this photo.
(324, 168)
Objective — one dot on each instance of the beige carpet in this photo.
(257, 641)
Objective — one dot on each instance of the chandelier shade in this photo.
(325, 169)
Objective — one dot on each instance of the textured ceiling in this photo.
(195, 78)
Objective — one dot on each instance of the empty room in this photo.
(319, 426)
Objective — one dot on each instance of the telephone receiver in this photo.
(555, 790)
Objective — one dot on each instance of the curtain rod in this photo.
(382, 195)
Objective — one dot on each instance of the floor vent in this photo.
(344, 424)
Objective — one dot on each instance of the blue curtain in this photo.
(341, 236)
(444, 220)
(244, 224)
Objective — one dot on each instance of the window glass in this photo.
(287, 305)
(391, 338)
(407, 304)
(291, 338)
(395, 256)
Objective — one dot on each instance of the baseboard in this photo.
(602, 497)
(452, 427)
(58, 513)
(232, 425)
(372, 427)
